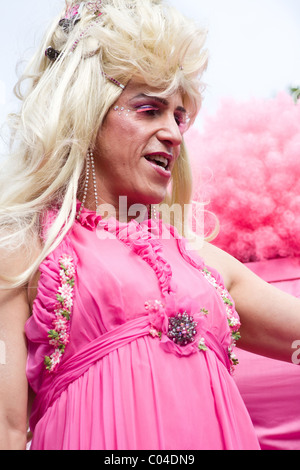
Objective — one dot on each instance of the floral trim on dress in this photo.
(233, 320)
(59, 335)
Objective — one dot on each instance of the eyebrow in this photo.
(161, 100)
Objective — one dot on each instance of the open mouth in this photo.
(159, 160)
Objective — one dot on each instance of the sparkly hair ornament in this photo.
(52, 54)
(95, 7)
(73, 16)
(74, 12)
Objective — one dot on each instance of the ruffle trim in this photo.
(143, 238)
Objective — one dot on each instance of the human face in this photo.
(138, 144)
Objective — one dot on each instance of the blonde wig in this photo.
(64, 103)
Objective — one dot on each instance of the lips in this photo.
(162, 160)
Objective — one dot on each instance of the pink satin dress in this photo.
(131, 345)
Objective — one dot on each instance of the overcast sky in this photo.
(254, 44)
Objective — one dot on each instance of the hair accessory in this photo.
(52, 53)
(72, 16)
(95, 7)
(82, 34)
(67, 25)
(74, 12)
(113, 80)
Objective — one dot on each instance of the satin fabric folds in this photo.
(121, 383)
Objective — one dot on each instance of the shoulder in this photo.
(14, 264)
(227, 266)
(14, 305)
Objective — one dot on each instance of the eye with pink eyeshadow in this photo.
(181, 117)
(146, 108)
(183, 120)
(152, 110)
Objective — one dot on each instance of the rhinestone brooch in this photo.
(182, 329)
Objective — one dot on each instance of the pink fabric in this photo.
(119, 385)
(271, 389)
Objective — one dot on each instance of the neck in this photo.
(121, 210)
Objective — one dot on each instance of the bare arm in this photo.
(14, 311)
(270, 318)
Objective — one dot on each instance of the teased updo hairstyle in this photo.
(65, 101)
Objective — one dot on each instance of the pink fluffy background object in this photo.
(246, 163)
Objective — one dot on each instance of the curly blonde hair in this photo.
(65, 102)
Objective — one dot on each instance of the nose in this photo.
(169, 132)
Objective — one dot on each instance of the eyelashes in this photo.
(182, 118)
(147, 109)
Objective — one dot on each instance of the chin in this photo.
(151, 197)
(157, 198)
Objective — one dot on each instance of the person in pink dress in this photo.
(120, 320)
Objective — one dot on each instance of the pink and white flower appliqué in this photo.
(232, 317)
(178, 332)
(59, 335)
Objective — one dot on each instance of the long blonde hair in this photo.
(65, 102)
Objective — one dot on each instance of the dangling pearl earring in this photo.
(154, 214)
(89, 163)
(94, 178)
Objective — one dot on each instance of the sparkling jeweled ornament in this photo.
(182, 329)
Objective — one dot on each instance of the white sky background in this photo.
(254, 45)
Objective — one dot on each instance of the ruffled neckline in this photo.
(143, 238)
(91, 220)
